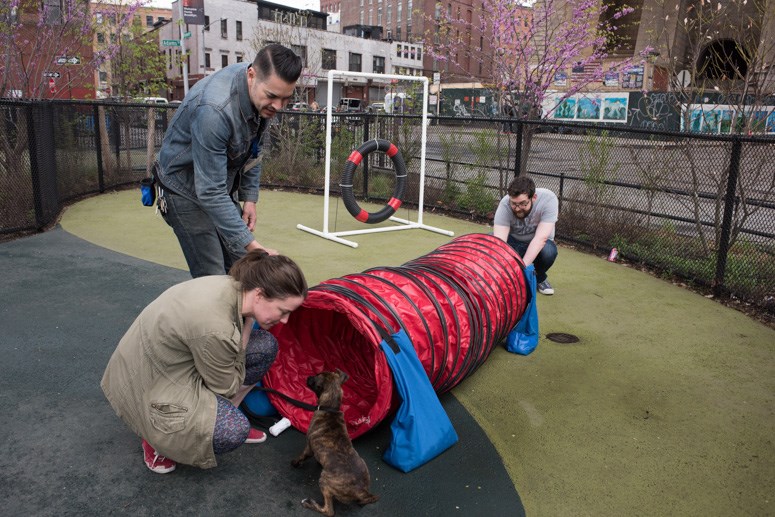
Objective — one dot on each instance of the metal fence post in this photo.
(98, 144)
(518, 150)
(365, 162)
(561, 193)
(43, 167)
(726, 224)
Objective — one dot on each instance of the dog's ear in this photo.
(342, 375)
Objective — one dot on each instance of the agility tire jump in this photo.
(355, 158)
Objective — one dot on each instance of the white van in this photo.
(154, 100)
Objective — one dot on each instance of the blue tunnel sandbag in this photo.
(455, 304)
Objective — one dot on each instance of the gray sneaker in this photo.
(545, 287)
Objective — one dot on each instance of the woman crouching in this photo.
(193, 352)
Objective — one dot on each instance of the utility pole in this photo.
(183, 56)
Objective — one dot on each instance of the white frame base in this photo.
(404, 223)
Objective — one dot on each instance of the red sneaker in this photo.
(256, 436)
(155, 461)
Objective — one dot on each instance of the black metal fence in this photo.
(700, 207)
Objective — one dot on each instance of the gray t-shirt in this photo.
(545, 210)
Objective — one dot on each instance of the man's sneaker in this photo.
(155, 461)
(545, 287)
(256, 436)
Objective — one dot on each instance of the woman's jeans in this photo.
(543, 261)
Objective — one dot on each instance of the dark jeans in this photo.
(543, 261)
(205, 253)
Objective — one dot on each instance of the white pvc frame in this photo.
(405, 224)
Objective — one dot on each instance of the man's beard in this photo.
(524, 213)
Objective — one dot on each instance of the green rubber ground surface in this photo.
(666, 406)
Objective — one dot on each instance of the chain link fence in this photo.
(695, 206)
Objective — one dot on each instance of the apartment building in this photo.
(411, 21)
(243, 27)
(107, 32)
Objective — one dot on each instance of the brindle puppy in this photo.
(345, 475)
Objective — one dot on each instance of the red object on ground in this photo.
(455, 304)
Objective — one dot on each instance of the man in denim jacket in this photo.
(209, 159)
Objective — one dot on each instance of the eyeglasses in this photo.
(523, 204)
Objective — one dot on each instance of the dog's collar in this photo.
(328, 409)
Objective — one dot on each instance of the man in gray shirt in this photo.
(525, 219)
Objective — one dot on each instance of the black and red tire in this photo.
(355, 159)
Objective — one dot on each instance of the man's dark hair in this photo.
(280, 60)
(522, 185)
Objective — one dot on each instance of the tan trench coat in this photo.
(181, 350)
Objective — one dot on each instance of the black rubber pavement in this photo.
(64, 305)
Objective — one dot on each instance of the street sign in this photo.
(170, 42)
(684, 78)
(187, 35)
(56, 75)
(68, 60)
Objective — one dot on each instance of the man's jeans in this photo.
(543, 261)
(203, 249)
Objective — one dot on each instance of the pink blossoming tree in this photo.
(528, 48)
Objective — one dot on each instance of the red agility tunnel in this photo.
(455, 304)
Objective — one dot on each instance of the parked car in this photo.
(299, 106)
(376, 107)
(153, 100)
(349, 105)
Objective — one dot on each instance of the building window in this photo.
(378, 65)
(398, 12)
(398, 33)
(419, 53)
(224, 29)
(103, 77)
(53, 11)
(240, 57)
(100, 37)
(355, 62)
(239, 31)
(328, 59)
(224, 60)
(207, 60)
(301, 51)
(149, 21)
(98, 18)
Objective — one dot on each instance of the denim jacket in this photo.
(214, 134)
